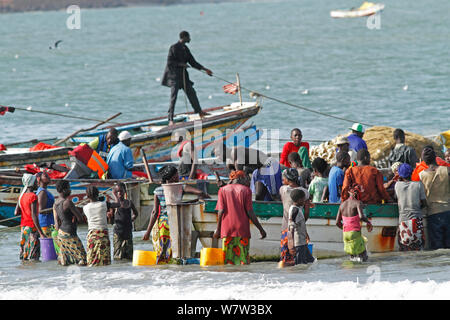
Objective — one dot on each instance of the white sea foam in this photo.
(293, 290)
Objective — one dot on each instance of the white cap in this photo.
(124, 135)
(357, 127)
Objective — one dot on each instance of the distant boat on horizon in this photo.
(366, 9)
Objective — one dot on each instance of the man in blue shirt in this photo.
(336, 176)
(120, 158)
(355, 138)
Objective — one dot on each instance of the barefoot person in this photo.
(46, 201)
(158, 226)
(349, 219)
(176, 76)
(411, 200)
(67, 216)
(298, 242)
(123, 224)
(235, 211)
(27, 207)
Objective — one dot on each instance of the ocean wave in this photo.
(381, 290)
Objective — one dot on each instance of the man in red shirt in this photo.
(234, 206)
(294, 146)
(368, 177)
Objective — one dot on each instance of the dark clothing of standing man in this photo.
(176, 76)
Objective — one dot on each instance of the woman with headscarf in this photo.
(436, 182)
(27, 207)
(291, 181)
(390, 185)
(235, 211)
(158, 225)
(46, 201)
(411, 200)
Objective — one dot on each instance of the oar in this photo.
(59, 114)
(89, 129)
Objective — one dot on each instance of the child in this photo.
(290, 183)
(349, 216)
(318, 188)
(411, 200)
(123, 219)
(297, 228)
(293, 146)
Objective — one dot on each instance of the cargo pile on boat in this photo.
(380, 142)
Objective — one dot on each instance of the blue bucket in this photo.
(310, 247)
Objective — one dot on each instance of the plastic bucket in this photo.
(173, 193)
(212, 257)
(144, 258)
(47, 249)
(310, 247)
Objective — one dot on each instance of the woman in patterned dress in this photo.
(158, 226)
(66, 217)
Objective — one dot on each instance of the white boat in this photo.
(366, 9)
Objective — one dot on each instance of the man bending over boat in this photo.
(176, 76)
(103, 144)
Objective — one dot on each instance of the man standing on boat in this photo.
(176, 76)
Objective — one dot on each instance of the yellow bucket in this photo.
(212, 257)
(144, 258)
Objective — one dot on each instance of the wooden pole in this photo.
(147, 169)
(239, 88)
(84, 130)
(58, 114)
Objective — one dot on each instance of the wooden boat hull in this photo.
(325, 236)
(157, 145)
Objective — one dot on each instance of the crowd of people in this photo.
(421, 189)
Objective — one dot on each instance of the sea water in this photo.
(356, 69)
(114, 63)
(417, 275)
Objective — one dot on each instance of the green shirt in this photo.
(316, 188)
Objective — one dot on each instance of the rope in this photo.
(293, 105)
(61, 115)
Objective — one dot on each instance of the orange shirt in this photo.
(370, 179)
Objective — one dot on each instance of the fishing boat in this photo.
(325, 236)
(154, 136)
(366, 9)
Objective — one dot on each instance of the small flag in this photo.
(231, 88)
(3, 110)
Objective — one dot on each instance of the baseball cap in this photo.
(124, 135)
(357, 127)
